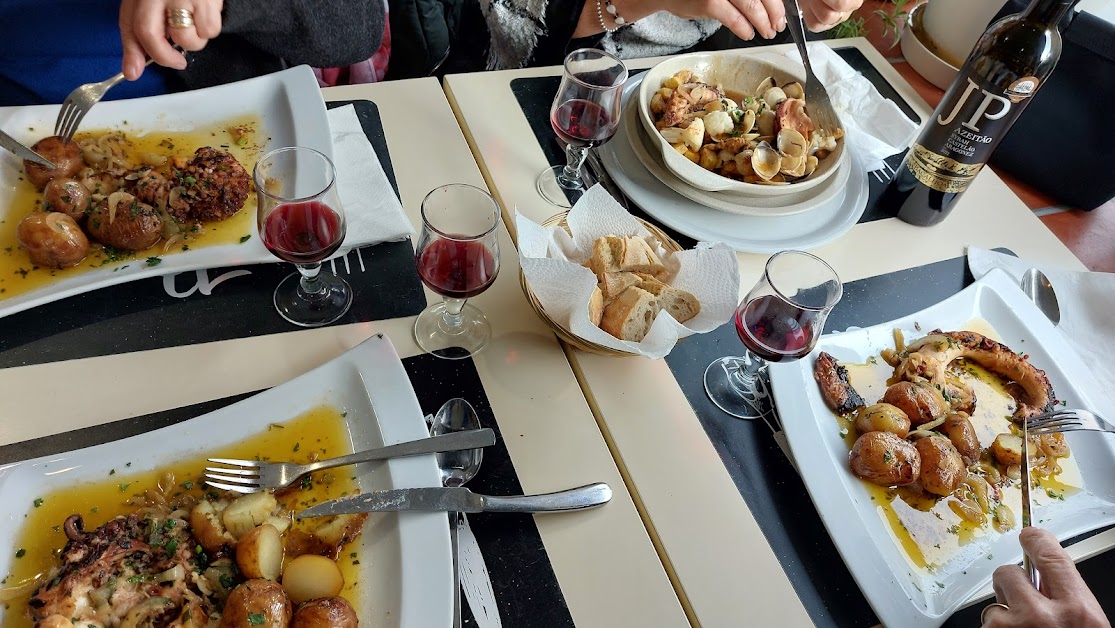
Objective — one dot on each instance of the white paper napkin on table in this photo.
(1086, 299)
(372, 211)
(875, 127)
(551, 261)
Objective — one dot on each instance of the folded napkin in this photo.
(874, 126)
(551, 261)
(372, 211)
(1086, 301)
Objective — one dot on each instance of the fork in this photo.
(82, 99)
(815, 93)
(260, 476)
(1068, 421)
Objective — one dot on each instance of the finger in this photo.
(186, 36)
(818, 17)
(1013, 587)
(727, 14)
(1059, 577)
(776, 9)
(842, 6)
(207, 18)
(150, 29)
(995, 616)
(133, 60)
(756, 13)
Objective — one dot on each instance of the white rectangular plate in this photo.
(901, 596)
(292, 112)
(405, 567)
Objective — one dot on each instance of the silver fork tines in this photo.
(816, 96)
(251, 476)
(1068, 421)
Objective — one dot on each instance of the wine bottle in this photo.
(1006, 68)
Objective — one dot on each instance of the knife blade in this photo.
(21, 151)
(461, 500)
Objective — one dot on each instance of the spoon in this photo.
(457, 467)
(1036, 286)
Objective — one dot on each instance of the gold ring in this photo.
(180, 18)
(983, 613)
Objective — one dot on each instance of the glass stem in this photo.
(743, 378)
(452, 316)
(310, 286)
(570, 177)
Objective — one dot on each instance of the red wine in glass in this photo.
(774, 329)
(582, 123)
(456, 269)
(302, 232)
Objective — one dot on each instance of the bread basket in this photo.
(559, 220)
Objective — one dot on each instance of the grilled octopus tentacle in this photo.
(929, 357)
(835, 387)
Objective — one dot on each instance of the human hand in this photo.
(821, 15)
(745, 18)
(1064, 599)
(144, 30)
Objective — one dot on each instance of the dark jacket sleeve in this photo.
(561, 20)
(322, 33)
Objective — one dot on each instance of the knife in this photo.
(461, 500)
(21, 151)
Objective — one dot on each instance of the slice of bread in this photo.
(680, 304)
(613, 284)
(630, 316)
(638, 256)
(596, 306)
(605, 257)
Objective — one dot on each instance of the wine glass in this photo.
(780, 319)
(585, 114)
(301, 221)
(457, 257)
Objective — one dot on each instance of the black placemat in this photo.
(209, 305)
(526, 589)
(535, 95)
(772, 489)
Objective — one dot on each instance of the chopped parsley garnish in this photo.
(187, 485)
(255, 619)
(123, 487)
(20, 552)
(154, 261)
(38, 502)
(244, 239)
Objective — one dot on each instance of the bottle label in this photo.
(939, 172)
(971, 121)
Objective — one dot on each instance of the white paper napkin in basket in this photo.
(372, 211)
(874, 126)
(1086, 301)
(551, 262)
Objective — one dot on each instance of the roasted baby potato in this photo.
(257, 604)
(921, 402)
(66, 158)
(310, 576)
(205, 522)
(331, 612)
(122, 222)
(884, 459)
(1007, 449)
(942, 468)
(248, 511)
(959, 429)
(259, 553)
(882, 417)
(52, 239)
(66, 195)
